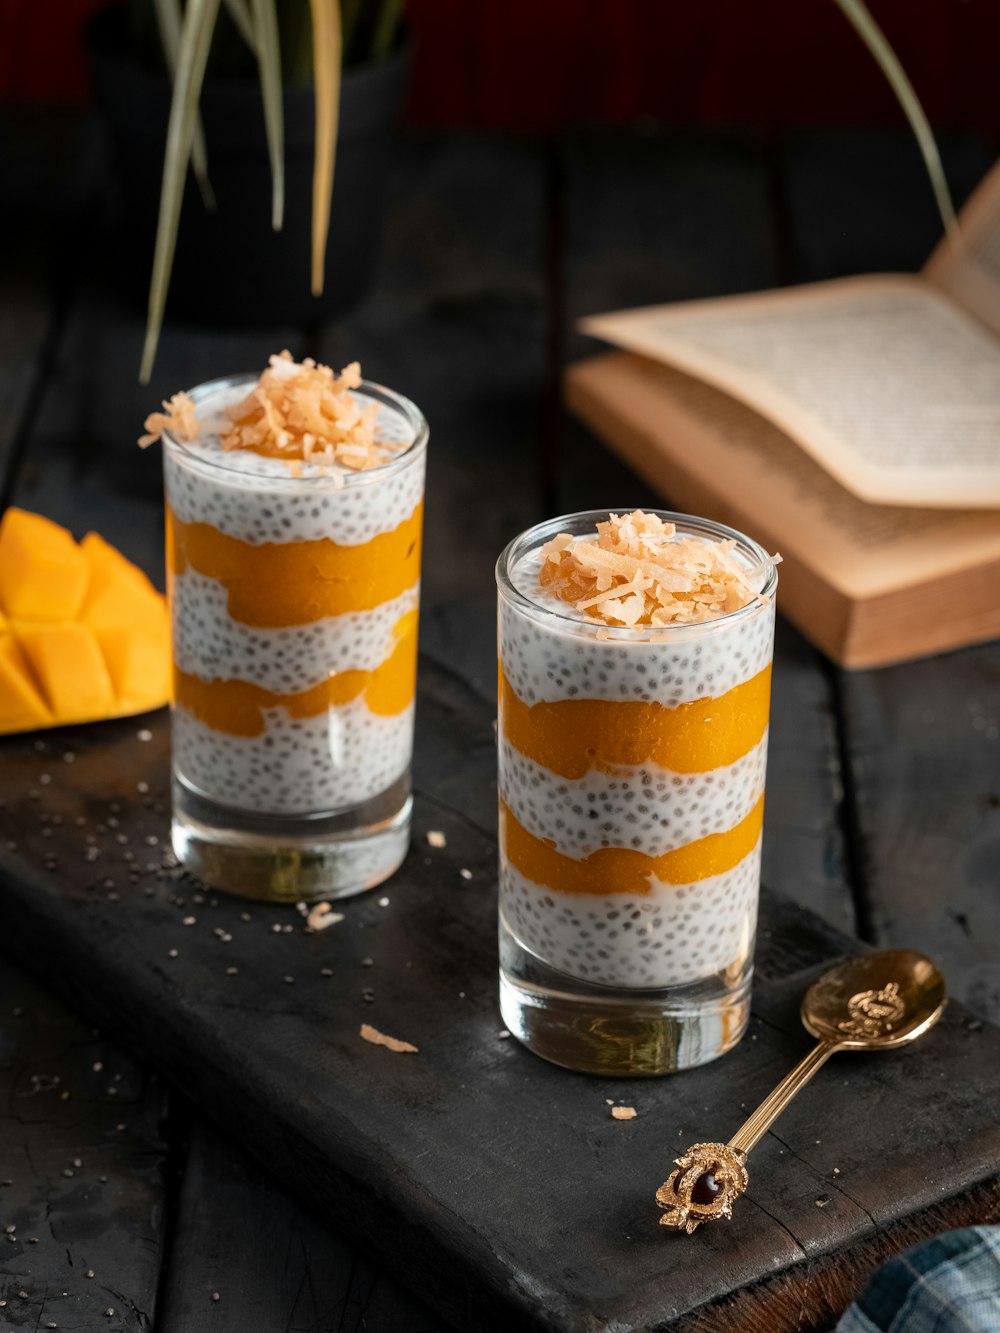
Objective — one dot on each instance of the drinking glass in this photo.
(293, 603)
(631, 782)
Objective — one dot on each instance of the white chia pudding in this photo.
(327, 761)
(639, 874)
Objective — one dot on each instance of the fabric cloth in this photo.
(949, 1284)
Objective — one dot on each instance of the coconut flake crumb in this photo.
(436, 839)
(368, 1033)
(640, 572)
(323, 915)
(178, 416)
(623, 1112)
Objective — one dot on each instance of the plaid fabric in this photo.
(949, 1284)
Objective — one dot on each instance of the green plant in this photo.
(303, 38)
(235, 34)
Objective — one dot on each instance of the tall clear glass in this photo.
(293, 603)
(631, 778)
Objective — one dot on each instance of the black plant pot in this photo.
(230, 267)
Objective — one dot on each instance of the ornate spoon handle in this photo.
(751, 1133)
(709, 1177)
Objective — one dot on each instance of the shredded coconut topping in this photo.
(300, 412)
(640, 572)
(178, 416)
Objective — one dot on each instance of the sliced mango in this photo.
(110, 570)
(69, 666)
(139, 665)
(22, 708)
(125, 605)
(43, 573)
(72, 648)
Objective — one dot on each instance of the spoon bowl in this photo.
(875, 1001)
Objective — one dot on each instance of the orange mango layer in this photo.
(277, 584)
(573, 736)
(612, 870)
(236, 707)
(84, 636)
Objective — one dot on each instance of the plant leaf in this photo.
(168, 19)
(265, 25)
(326, 74)
(873, 37)
(386, 26)
(192, 56)
(238, 12)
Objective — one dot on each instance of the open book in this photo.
(890, 381)
(869, 583)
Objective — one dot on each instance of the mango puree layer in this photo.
(623, 869)
(572, 736)
(237, 707)
(275, 585)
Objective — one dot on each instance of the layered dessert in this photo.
(634, 685)
(294, 507)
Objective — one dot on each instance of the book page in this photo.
(889, 385)
(755, 468)
(967, 265)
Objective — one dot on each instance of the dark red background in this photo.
(545, 64)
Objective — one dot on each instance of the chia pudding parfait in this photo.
(294, 505)
(634, 685)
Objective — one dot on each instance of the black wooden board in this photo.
(82, 1157)
(495, 1185)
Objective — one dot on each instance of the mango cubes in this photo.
(84, 635)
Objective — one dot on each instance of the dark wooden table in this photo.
(883, 807)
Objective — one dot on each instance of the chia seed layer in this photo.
(299, 766)
(676, 934)
(547, 662)
(210, 644)
(255, 499)
(648, 809)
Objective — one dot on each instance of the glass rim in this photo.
(339, 480)
(537, 535)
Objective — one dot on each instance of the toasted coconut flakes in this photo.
(436, 839)
(640, 572)
(368, 1033)
(623, 1112)
(178, 417)
(302, 412)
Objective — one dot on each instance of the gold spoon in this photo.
(873, 1002)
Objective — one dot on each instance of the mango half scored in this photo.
(84, 635)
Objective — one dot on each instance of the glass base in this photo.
(292, 859)
(603, 1030)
